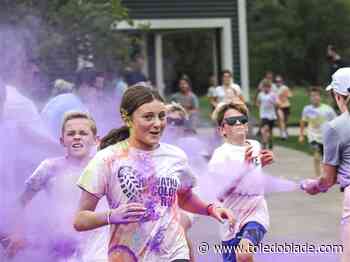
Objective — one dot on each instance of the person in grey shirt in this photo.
(186, 98)
(336, 161)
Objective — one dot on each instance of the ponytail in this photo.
(114, 136)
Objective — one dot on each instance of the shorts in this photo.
(286, 113)
(252, 231)
(318, 147)
(268, 122)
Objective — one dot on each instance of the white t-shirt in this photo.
(316, 118)
(124, 174)
(226, 94)
(267, 105)
(20, 109)
(55, 109)
(246, 208)
(57, 177)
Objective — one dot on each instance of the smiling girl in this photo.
(145, 183)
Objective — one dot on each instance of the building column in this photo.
(227, 47)
(215, 55)
(144, 52)
(159, 62)
(243, 48)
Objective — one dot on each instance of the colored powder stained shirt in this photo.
(57, 178)
(124, 175)
(245, 207)
(316, 117)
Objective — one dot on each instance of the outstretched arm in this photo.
(192, 203)
(323, 183)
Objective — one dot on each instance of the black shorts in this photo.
(267, 122)
(318, 147)
(286, 113)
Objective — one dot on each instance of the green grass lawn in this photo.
(293, 143)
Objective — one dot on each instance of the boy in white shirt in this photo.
(249, 210)
(267, 103)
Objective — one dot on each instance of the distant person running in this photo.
(283, 110)
(269, 76)
(314, 116)
(267, 103)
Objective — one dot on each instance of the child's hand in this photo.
(221, 214)
(248, 157)
(128, 213)
(13, 244)
(266, 157)
(312, 186)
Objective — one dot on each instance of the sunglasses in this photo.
(236, 120)
(175, 121)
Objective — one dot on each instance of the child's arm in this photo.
(213, 100)
(257, 103)
(192, 203)
(37, 181)
(302, 125)
(302, 131)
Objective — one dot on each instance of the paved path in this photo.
(295, 216)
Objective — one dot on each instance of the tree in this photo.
(291, 36)
(59, 31)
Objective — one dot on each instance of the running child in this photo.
(58, 176)
(145, 183)
(314, 117)
(267, 103)
(250, 211)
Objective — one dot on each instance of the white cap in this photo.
(340, 81)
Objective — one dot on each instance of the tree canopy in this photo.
(58, 31)
(291, 37)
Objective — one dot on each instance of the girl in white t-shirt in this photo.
(57, 177)
(145, 183)
(249, 210)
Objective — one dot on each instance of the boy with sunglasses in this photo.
(250, 210)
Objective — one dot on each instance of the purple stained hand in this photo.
(151, 213)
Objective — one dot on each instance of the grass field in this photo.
(293, 143)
